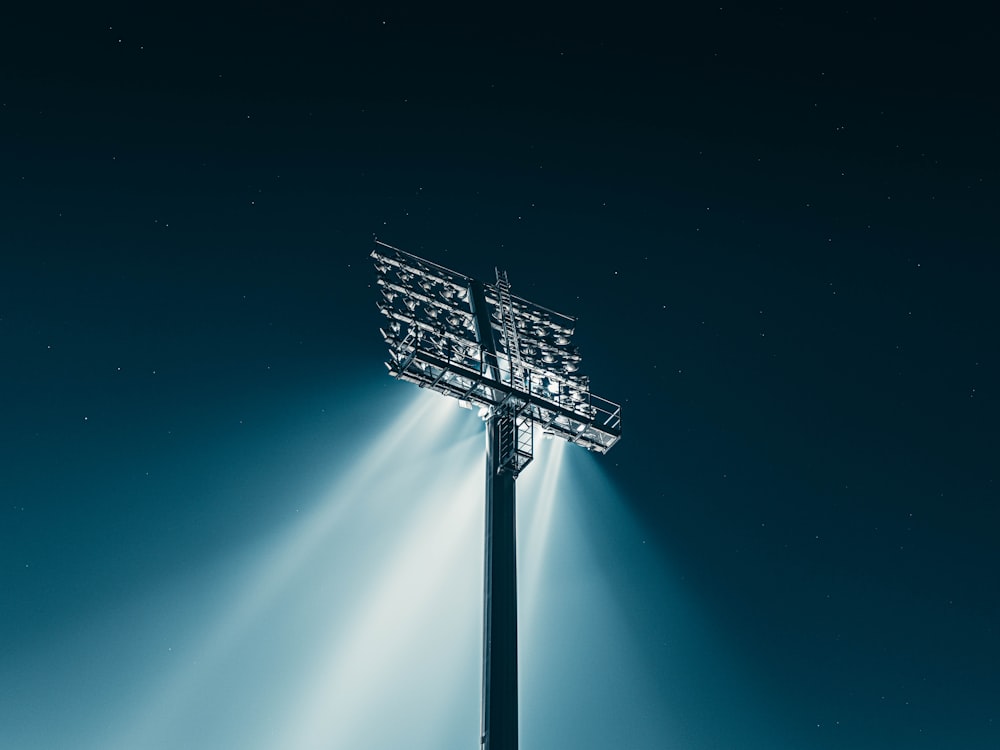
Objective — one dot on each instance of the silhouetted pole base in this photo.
(499, 726)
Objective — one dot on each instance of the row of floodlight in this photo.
(589, 425)
(449, 327)
(405, 333)
(531, 314)
(413, 278)
(544, 336)
(542, 340)
(438, 343)
(423, 289)
(411, 271)
(436, 304)
(432, 309)
(582, 428)
(571, 394)
(432, 304)
(564, 361)
(444, 298)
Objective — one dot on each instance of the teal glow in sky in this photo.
(358, 622)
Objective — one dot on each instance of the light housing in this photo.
(523, 359)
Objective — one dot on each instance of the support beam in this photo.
(499, 725)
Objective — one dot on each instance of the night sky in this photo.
(777, 228)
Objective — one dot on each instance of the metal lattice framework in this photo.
(478, 343)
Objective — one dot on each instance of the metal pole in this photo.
(499, 726)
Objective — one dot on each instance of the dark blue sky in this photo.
(776, 227)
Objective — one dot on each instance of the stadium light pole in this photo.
(514, 360)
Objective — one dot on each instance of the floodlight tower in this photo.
(514, 360)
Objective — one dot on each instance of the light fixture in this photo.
(511, 359)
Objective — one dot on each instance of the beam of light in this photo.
(617, 652)
(276, 564)
(396, 649)
(537, 493)
(585, 679)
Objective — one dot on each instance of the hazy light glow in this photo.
(360, 624)
(394, 646)
(585, 681)
(344, 587)
(275, 564)
(536, 499)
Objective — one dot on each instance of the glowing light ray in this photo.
(542, 500)
(347, 694)
(277, 564)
